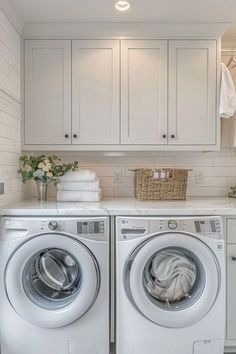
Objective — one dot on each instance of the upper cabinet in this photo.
(126, 95)
(47, 92)
(192, 92)
(95, 92)
(144, 92)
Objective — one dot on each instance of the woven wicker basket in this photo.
(160, 184)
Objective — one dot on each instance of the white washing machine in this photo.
(54, 281)
(170, 285)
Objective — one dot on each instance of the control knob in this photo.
(53, 225)
(172, 224)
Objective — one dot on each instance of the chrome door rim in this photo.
(133, 280)
(40, 316)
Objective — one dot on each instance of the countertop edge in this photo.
(124, 207)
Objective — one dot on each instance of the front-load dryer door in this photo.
(52, 280)
(172, 279)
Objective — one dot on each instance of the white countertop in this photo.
(124, 206)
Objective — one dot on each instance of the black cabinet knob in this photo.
(164, 136)
(74, 135)
(233, 258)
(172, 136)
(66, 136)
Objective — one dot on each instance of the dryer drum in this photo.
(173, 276)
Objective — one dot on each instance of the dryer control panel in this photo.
(133, 227)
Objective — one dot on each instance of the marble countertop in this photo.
(124, 206)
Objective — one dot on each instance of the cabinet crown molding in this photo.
(119, 30)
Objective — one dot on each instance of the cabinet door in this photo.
(231, 292)
(144, 92)
(47, 92)
(95, 87)
(192, 92)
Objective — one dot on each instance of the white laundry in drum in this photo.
(171, 276)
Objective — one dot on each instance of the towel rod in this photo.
(228, 50)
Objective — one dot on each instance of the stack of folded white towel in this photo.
(79, 186)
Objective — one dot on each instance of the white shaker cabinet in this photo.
(95, 92)
(231, 283)
(169, 92)
(144, 92)
(129, 94)
(192, 93)
(48, 92)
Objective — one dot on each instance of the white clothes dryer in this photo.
(54, 281)
(170, 286)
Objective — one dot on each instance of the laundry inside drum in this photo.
(173, 277)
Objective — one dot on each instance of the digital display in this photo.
(90, 227)
(203, 226)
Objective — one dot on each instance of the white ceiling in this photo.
(142, 10)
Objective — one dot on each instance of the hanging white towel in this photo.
(78, 196)
(79, 186)
(227, 94)
(79, 176)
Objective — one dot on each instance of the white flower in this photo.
(41, 165)
(49, 174)
(46, 168)
(46, 161)
(28, 168)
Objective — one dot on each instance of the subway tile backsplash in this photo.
(217, 169)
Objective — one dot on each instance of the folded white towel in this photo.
(79, 186)
(79, 176)
(78, 196)
(227, 94)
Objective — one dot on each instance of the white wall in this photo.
(10, 111)
(218, 168)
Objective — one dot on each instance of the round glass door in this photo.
(52, 280)
(172, 279)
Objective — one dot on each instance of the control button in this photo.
(172, 224)
(53, 225)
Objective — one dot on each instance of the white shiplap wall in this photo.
(10, 112)
(218, 169)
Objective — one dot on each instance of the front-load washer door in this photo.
(52, 280)
(172, 279)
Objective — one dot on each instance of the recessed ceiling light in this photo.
(122, 5)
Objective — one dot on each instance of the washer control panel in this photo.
(94, 228)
